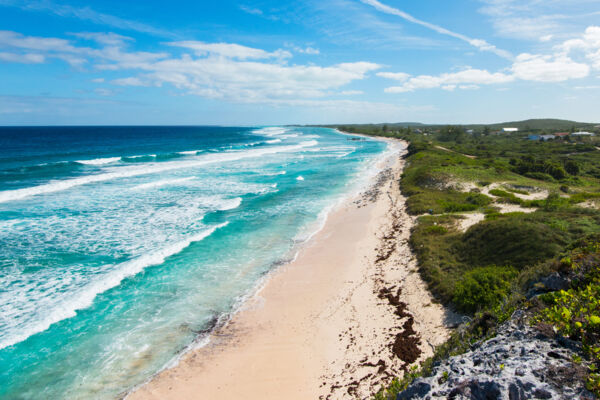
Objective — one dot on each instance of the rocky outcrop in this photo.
(519, 363)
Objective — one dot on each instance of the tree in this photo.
(571, 167)
(452, 134)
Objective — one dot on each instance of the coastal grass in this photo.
(487, 271)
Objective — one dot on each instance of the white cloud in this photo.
(108, 39)
(397, 76)
(104, 92)
(230, 50)
(544, 68)
(85, 14)
(478, 43)
(589, 87)
(77, 55)
(27, 58)
(248, 81)
(251, 10)
(18, 41)
(132, 81)
(588, 43)
(467, 79)
(536, 19)
(557, 67)
(226, 71)
(351, 92)
(307, 50)
(98, 80)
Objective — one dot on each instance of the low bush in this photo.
(508, 197)
(483, 288)
(575, 313)
(510, 241)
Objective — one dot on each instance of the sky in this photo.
(260, 62)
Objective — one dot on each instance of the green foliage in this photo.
(451, 134)
(398, 385)
(529, 164)
(575, 313)
(553, 202)
(510, 241)
(572, 167)
(517, 191)
(436, 230)
(508, 197)
(540, 176)
(483, 288)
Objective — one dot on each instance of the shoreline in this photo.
(348, 314)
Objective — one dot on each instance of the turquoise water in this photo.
(121, 247)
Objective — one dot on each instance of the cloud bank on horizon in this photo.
(303, 62)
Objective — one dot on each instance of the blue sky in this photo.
(261, 62)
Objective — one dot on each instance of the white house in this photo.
(510, 130)
(582, 133)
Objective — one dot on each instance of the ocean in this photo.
(121, 247)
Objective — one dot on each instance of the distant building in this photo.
(470, 131)
(547, 137)
(561, 134)
(583, 133)
(510, 130)
(533, 137)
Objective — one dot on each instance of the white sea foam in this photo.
(275, 173)
(273, 141)
(270, 131)
(345, 154)
(163, 182)
(126, 172)
(84, 297)
(300, 178)
(189, 152)
(230, 204)
(99, 161)
(142, 156)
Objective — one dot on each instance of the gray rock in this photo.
(518, 363)
(418, 390)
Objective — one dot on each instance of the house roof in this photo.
(583, 133)
(562, 134)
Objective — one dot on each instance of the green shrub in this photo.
(436, 230)
(509, 197)
(575, 313)
(510, 241)
(483, 288)
(540, 176)
(553, 202)
(517, 191)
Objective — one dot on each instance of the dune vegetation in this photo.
(496, 214)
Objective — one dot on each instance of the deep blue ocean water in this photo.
(119, 246)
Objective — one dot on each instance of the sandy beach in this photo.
(348, 315)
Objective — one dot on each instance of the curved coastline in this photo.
(295, 331)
